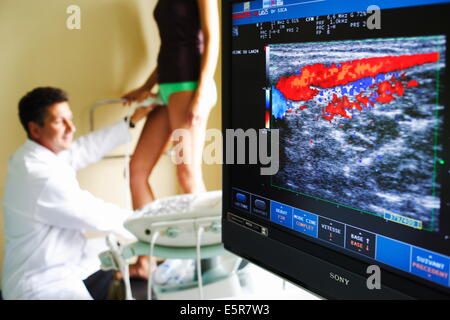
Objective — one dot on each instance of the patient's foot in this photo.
(138, 270)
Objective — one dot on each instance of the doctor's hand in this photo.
(142, 112)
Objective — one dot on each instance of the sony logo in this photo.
(338, 278)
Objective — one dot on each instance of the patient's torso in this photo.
(181, 40)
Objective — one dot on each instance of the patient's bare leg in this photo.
(153, 139)
(189, 174)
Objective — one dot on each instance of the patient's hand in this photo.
(138, 95)
(139, 270)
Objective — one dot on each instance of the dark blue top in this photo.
(181, 40)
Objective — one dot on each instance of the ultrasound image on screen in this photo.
(361, 123)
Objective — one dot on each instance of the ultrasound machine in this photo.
(351, 97)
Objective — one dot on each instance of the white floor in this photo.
(267, 286)
(259, 284)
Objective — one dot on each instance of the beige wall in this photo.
(113, 52)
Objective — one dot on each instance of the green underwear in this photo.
(166, 89)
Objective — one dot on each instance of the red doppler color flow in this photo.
(299, 87)
(303, 87)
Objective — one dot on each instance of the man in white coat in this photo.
(46, 212)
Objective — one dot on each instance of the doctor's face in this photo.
(57, 132)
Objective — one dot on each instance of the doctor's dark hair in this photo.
(33, 106)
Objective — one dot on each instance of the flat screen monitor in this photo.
(336, 118)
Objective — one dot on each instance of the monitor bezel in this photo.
(234, 237)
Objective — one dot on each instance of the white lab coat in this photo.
(46, 213)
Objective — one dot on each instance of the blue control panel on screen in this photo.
(418, 261)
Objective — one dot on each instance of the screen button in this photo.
(360, 241)
(281, 214)
(260, 207)
(241, 197)
(331, 231)
(305, 222)
(430, 265)
(260, 204)
(393, 253)
(241, 200)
